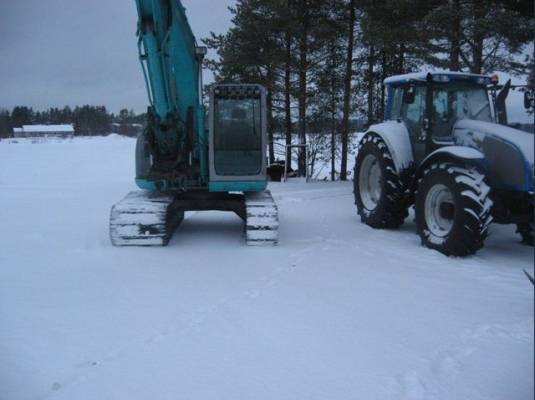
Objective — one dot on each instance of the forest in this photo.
(323, 62)
(88, 120)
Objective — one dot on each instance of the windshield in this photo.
(237, 136)
(462, 102)
(453, 102)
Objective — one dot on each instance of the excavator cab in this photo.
(237, 138)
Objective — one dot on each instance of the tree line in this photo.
(87, 120)
(323, 62)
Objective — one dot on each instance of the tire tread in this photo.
(393, 210)
(469, 236)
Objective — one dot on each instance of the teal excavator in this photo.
(188, 159)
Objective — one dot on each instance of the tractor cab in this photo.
(431, 104)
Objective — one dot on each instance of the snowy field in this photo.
(336, 311)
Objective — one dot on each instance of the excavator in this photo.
(188, 158)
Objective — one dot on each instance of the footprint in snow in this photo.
(86, 364)
(253, 294)
(446, 363)
(414, 388)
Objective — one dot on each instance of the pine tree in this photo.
(328, 80)
(5, 124)
(480, 36)
(347, 87)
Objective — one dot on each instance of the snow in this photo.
(522, 140)
(337, 310)
(422, 75)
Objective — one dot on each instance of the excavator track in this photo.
(144, 218)
(262, 219)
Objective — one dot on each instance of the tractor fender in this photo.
(396, 137)
(459, 154)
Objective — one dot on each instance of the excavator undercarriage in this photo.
(145, 218)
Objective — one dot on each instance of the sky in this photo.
(71, 52)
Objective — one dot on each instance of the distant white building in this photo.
(41, 131)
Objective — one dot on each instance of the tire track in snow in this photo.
(199, 317)
(447, 363)
(286, 199)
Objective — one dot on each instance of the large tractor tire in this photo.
(453, 209)
(379, 193)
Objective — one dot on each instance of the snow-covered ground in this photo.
(336, 311)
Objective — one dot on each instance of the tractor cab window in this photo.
(237, 136)
(397, 101)
(442, 115)
(452, 102)
(473, 103)
(413, 108)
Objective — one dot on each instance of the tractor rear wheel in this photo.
(453, 209)
(378, 191)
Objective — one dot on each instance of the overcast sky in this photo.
(71, 52)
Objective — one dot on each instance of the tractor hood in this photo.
(509, 152)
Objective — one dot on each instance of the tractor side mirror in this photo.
(528, 99)
(408, 95)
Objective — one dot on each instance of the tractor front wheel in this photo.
(378, 191)
(453, 209)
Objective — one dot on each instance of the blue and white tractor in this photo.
(445, 147)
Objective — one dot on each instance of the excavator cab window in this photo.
(237, 134)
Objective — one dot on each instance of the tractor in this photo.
(446, 149)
